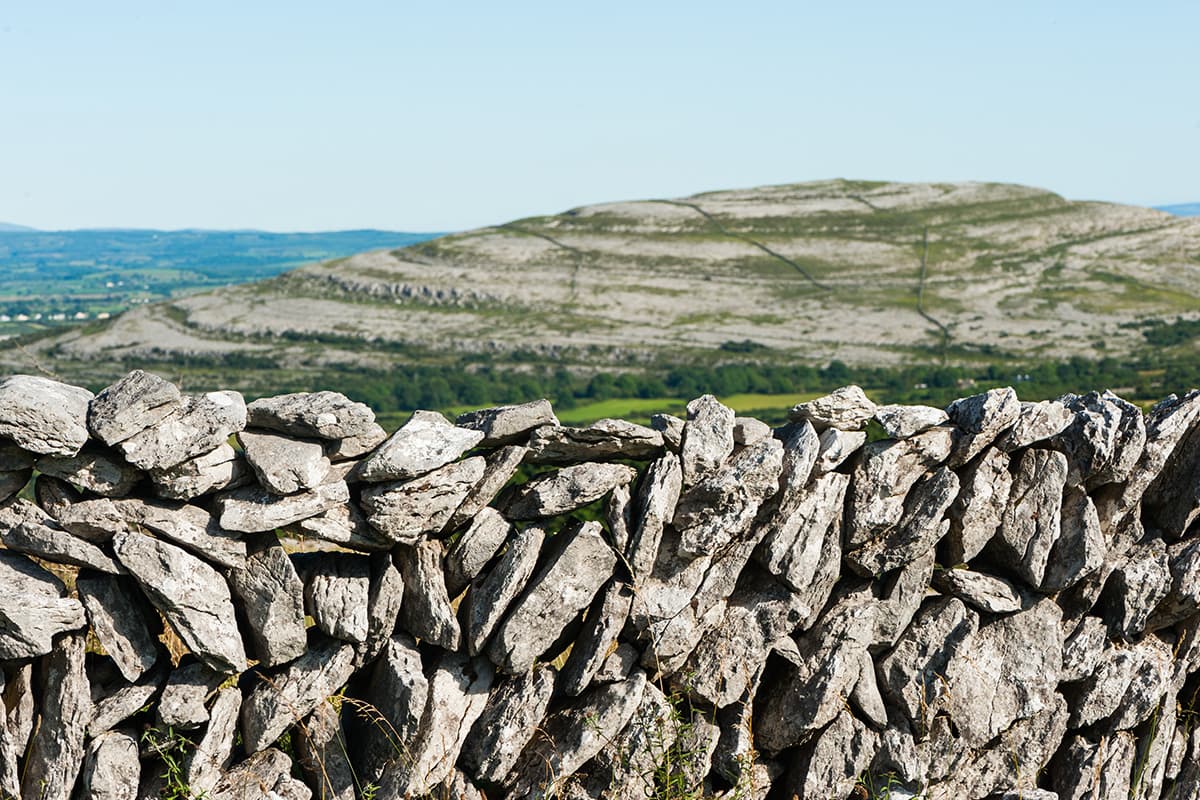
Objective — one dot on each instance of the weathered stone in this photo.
(980, 419)
(567, 489)
(271, 596)
(1136, 587)
(707, 438)
(865, 696)
(1080, 548)
(474, 549)
(846, 409)
(1029, 743)
(911, 675)
(1032, 520)
(1125, 687)
(574, 735)
(44, 416)
(507, 424)
(14, 459)
(291, 694)
(203, 767)
(711, 513)
(220, 468)
(598, 638)
(112, 770)
(986, 593)
(317, 415)
(58, 546)
(898, 598)
(98, 473)
(902, 422)
(501, 466)
(265, 774)
(352, 447)
(404, 511)
(1084, 649)
(655, 507)
(97, 520)
(426, 612)
(1036, 422)
(511, 717)
(343, 525)
(458, 692)
(629, 763)
(336, 592)
(918, 531)
(56, 750)
(887, 471)
(1101, 769)
(203, 423)
(188, 687)
(122, 703)
(284, 465)
(53, 495)
(252, 509)
(16, 724)
(831, 768)
(33, 610)
(11, 483)
(390, 711)
(322, 753)
(671, 428)
(792, 550)
(837, 446)
(618, 666)
(491, 596)
(121, 621)
(1183, 598)
(423, 444)
(189, 526)
(136, 402)
(810, 688)
(1007, 671)
(1165, 474)
(618, 517)
(1105, 440)
(192, 596)
(580, 562)
(602, 440)
(747, 430)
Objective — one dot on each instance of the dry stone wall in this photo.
(995, 600)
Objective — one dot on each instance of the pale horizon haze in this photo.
(436, 117)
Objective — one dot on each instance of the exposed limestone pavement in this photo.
(995, 600)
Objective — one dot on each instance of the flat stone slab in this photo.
(901, 422)
(190, 526)
(501, 466)
(44, 416)
(284, 465)
(33, 608)
(221, 468)
(475, 548)
(424, 443)
(271, 596)
(405, 511)
(112, 770)
(56, 751)
(847, 409)
(984, 592)
(58, 546)
(510, 718)
(200, 425)
(98, 473)
(567, 489)
(183, 701)
(343, 525)
(138, 401)
(491, 595)
(508, 424)
(600, 441)
(317, 415)
(121, 620)
(336, 593)
(252, 509)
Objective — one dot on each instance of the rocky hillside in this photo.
(867, 273)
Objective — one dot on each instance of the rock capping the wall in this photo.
(998, 599)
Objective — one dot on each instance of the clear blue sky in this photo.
(439, 116)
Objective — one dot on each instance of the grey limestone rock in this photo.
(220, 468)
(510, 719)
(600, 441)
(574, 735)
(33, 609)
(792, 548)
(266, 774)
(898, 598)
(1101, 769)
(837, 446)
(707, 438)
(205, 764)
(1164, 475)
(865, 697)
(883, 477)
(428, 441)
(491, 595)
(317, 415)
(136, 402)
(498, 471)
(426, 612)
(112, 770)
(14, 459)
(56, 751)
(1183, 597)
(846, 409)
(567, 489)
(980, 419)
(121, 620)
(271, 595)
(385, 593)
(1032, 521)
(618, 516)
(251, 509)
(984, 592)
(336, 594)
(671, 427)
(58, 546)
(1080, 548)
(11, 483)
(1136, 587)
(508, 424)
(580, 563)
(628, 763)
(353, 447)
(404, 511)
(917, 532)
(322, 753)
(831, 768)
(747, 430)
(1105, 440)
(200, 425)
(43, 416)
(290, 695)
(98, 473)
(1036, 423)
(1084, 649)
(189, 526)
(1126, 686)
(474, 549)
(123, 702)
(192, 596)
(902, 422)
(284, 465)
(182, 704)
(654, 508)
(598, 639)
(390, 710)
(342, 525)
